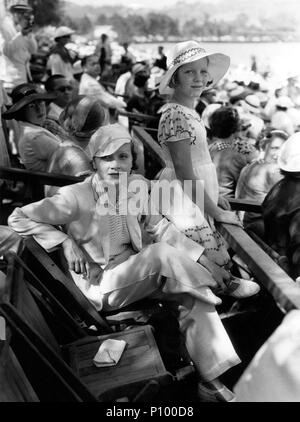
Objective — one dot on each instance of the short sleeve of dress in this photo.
(175, 125)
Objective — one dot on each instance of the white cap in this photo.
(108, 139)
(63, 31)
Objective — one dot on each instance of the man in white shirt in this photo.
(22, 45)
(89, 84)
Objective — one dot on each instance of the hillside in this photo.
(269, 14)
(222, 9)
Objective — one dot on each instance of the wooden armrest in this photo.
(282, 287)
(245, 205)
(35, 177)
(137, 116)
(150, 144)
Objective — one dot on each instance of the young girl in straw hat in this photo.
(182, 135)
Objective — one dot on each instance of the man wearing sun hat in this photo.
(22, 45)
(281, 207)
(60, 61)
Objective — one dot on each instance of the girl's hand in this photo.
(76, 260)
(224, 203)
(218, 273)
(229, 217)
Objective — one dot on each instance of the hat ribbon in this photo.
(191, 52)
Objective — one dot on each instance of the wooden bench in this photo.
(153, 156)
(14, 385)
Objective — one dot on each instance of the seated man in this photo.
(281, 207)
(89, 84)
(63, 90)
(257, 178)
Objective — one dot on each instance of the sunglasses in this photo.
(65, 88)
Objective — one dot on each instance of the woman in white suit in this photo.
(118, 253)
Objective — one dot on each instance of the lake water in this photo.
(281, 58)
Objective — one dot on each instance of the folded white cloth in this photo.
(109, 353)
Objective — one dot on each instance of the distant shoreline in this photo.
(219, 42)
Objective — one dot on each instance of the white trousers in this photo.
(162, 271)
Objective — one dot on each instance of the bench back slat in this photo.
(51, 275)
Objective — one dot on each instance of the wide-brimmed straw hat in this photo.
(24, 94)
(63, 31)
(252, 103)
(191, 51)
(289, 157)
(108, 139)
(20, 8)
(284, 102)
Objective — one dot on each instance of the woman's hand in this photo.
(76, 260)
(224, 203)
(218, 273)
(229, 217)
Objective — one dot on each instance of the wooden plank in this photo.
(282, 287)
(152, 149)
(35, 177)
(51, 269)
(245, 205)
(137, 116)
(14, 385)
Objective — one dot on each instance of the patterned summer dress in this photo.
(177, 123)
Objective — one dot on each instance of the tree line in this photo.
(132, 26)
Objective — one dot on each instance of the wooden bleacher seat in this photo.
(14, 385)
(42, 357)
(153, 157)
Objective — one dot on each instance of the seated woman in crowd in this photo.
(281, 207)
(224, 126)
(80, 120)
(105, 219)
(257, 178)
(36, 144)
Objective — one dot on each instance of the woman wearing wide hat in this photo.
(36, 144)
